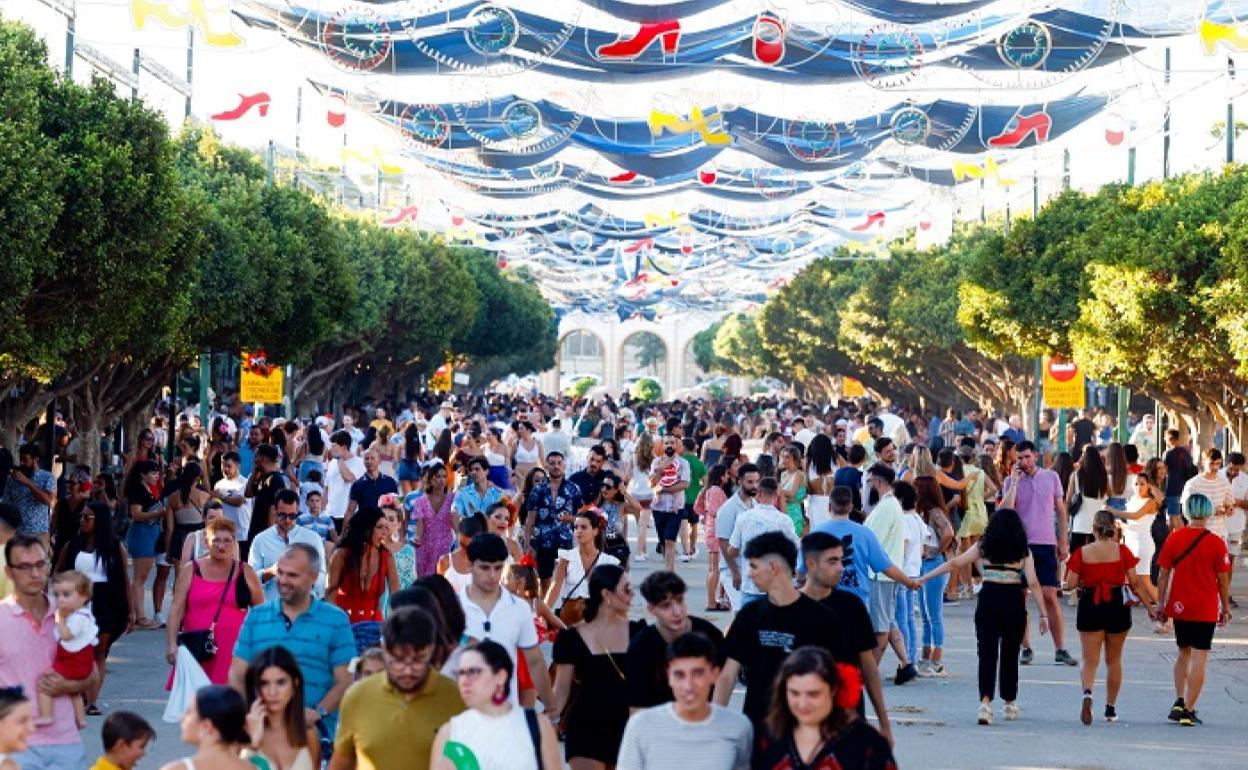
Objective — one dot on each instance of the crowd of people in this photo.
(377, 592)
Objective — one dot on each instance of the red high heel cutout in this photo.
(260, 100)
(1040, 122)
(667, 31)
(768, 39)
(403, 214)
(623, 178)
(875, 217)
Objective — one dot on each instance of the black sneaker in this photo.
(1064, 658)
(1189, 719)
(1027, 656)
(1111, 713)
(1177, 711)
(905, 674)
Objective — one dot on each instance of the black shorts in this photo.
(546, 560)
(1112, 617)
(688, 513)
(1194, 634)
(1044, 559)
(667, 525)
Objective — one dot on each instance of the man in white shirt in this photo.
(888, 522)
(270, 544)
(555, 440)
(1234, 473)
(439, 422)
(669, 476)
(357, 435)
(802, 432)
(230, 491)
(748, 477)
(341, 470)
(498, 615)
(1214, 485)
(763, 517)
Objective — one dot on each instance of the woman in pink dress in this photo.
(435, 531)
(716, 493)
(216, 587)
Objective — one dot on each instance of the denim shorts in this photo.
(141, 539)
(409, 470)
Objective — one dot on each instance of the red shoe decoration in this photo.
(260, 100)
(400, 216)
(707, 175)
(624, 178)
(667, 31)
(336, 112)
(874, 218)
(636, 246)
(768, 39)
(1040, 122)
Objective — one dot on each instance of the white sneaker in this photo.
(1011, 712)
(639, 557)
(985, 713)
(684, 557)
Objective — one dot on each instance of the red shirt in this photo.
(1104, 576)
(1194, 592)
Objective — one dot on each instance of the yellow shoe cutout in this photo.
(143, 10)
(1212, 33)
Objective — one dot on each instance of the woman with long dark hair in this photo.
(185, 510)
(821, 467)
(314, 452)
(717, 491)
(533, 478)
(930, 505)
(409, 459)
(147, 510)
(97, 553)
(1091, 483)
(432, 511)
(814, 722)
(1001, 614)
(362, 568)
(617, 506)
(568, 588)
(279, 732)
(216, 725)
(594, 654)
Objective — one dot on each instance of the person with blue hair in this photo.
(1194, 585)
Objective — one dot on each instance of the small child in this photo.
(369, 662)
(125, 736)
(76, 639)
(319, 522)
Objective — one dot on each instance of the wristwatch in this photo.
(321, 712)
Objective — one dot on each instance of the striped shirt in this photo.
(320, 639)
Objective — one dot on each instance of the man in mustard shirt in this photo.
(389, 720)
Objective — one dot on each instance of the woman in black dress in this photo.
(97, 552)
(813, 722)
(590, 660)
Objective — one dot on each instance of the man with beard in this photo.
(391, 720)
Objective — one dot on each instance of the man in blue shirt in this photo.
(863, 552)
(552, 506)
(478, 494)
(368, 489)
(316, 633)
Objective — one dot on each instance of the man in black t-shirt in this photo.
(664, 593)
(589, 479)
(766, 631)
(823, 554)
(265, 482)
(1081, 433)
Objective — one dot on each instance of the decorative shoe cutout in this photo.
(873, 219)
(1040, 122)
(1229, 35)
(668, 32)
(259, 100)
(768, 39)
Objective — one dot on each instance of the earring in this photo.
(500, 695)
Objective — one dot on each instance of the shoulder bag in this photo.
(203, 644)
(572, 611)
(1165, 602)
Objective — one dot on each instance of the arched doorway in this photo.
(644, 354)
(581, 354)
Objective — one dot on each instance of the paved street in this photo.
(934, 718)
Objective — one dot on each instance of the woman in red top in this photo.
(359, 572)
(1101, 569)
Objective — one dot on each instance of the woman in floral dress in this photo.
(434, 532)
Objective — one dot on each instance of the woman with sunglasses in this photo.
(617, 505)
(64, 521)
(493, 733)
(96, 552)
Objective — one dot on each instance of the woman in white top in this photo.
(526, 452)
(493, 733)
(276, 721)
(819, 484)
(1141, 510)
(639, 487)
(196, 546)
(215, 724)
(1092, 482)
(454, 566)
(571, 579)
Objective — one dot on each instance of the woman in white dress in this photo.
(571, 580)
(821, 468)
(493, 733)
(275, 719)
(1137, 533)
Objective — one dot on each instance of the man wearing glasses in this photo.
(28, 627)
(268, 546)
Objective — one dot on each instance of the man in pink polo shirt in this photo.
(28, 628)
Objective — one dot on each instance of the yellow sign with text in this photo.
(852, 388)
(260, 381)
(1063, 384)
(443, 377)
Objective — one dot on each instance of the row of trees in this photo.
(1145, 287)
(127, 253)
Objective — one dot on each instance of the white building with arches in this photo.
(617, 352)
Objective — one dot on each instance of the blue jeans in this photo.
(932, 606)
(905, 619)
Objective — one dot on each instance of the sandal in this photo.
(93, 710)
(146, 624)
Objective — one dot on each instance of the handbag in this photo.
(202, 644)
(572, 611)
